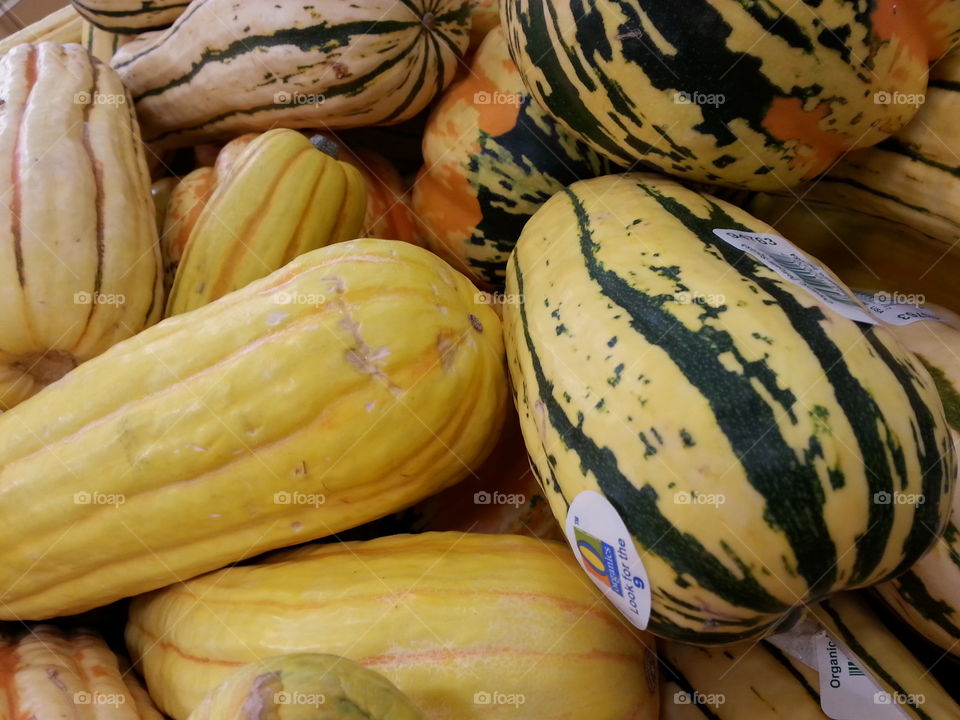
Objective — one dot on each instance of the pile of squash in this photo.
(464, 359)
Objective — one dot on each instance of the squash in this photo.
(751, 95)
(80, 265)
(102, 44)
(62, 26)
(467, 626)
(889, 214)
(742, 428)
(484, 17)
(162, 191)
(224, 69)
(306, 686)
(927, 596)
(389, 215)
(491, 158)
(49, 674)
(760, 681)
(131, 17)
(189, 199)
(282, 197)
(349, 384)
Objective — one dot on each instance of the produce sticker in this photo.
(605, 550)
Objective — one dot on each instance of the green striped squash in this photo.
(857, 628)
(225, 68)
(891, 211)
(927, 596)
(759, 681)
(491, 158)
(131, 17)
(654, 363)
(750, 94)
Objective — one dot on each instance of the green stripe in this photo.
(849, 638)
(857, 403)
(680, 680)
(886, 196)
(779, 657)
(145, 9)
(638, 507)
(947, 391)
(939, 612)
(894, 145)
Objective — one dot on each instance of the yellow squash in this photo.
(306, 686)
(468, 626)
(281, 198)
(47, 674)
(80, 258)
(347, 385)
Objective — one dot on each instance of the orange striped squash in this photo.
(469, 627)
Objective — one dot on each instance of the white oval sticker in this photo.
(606, 552)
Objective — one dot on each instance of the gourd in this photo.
(282, 197)
(491, 158)
(351, 383)
(467, 626)
(306, 686)
(80, 265)
(718, 91)
(131, 17)
(50, 674)
(749, 435)
(224, 69)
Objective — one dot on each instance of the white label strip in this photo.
(888, 309)
(786, 260)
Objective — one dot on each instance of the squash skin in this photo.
(281, 197)
(306, 686)
(80, 264)
(48, 673)
(601, 310)
(333, 66)
(442, 615)
(182, 471)
(130, 17)
(772, 99)
(491, 158)
(889, 214)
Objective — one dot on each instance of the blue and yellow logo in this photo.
(600, 560)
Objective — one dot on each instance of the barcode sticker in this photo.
(891, 309)
(786, 260)
(849, 693)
